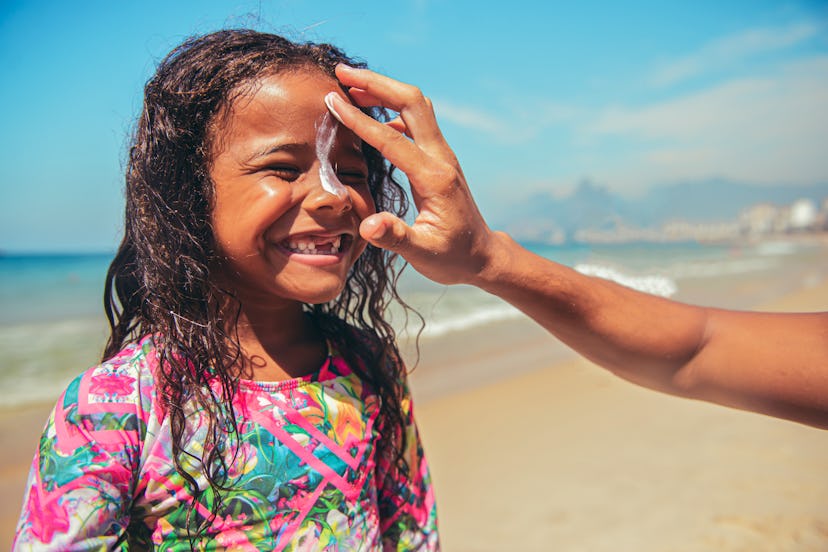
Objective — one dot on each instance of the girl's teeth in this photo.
(311, 248)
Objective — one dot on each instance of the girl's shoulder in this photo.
(122, 385)
(121, 377)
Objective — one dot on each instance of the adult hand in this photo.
(449, 242)
(769, 363)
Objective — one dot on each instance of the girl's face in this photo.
(283, 235)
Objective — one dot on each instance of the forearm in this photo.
(774, 363)
(767, 363)
(643, 337)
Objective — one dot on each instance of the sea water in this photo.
(52, 325)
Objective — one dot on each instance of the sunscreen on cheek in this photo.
(325, 137)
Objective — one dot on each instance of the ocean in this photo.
(52, 325)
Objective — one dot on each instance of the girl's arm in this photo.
(80, 485)
(776, 364)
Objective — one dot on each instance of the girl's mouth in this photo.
(318, 245)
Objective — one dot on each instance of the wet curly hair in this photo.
(160, 282)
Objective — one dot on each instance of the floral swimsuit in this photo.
(305, 477)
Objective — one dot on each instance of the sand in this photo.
(571, 458)
(532, 448)
(19, 433)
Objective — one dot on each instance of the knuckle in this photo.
(399, 237)
(399, 242)
(391, 142)
(444, 172)
(414, 95)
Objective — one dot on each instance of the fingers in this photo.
(386, 231)
(391, 144)
(398, 125)
(369, 88)
(363, 98)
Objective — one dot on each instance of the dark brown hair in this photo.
(160, 284)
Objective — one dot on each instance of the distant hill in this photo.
(591, 206)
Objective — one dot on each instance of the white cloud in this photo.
(467, 117)
(730, 50)
(768, 125)
(768, 129)
(515, 126)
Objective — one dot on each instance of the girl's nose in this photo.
(325, 196)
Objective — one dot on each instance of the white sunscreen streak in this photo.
(325, 137)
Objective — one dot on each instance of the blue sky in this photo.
(533, 96)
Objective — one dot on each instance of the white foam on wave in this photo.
(459, 310)
(652, 284)
(38, 360)
(775, 248)
(471, 319)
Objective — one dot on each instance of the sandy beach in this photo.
(569, 457)
(532, 448)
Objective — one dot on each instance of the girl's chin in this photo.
(321, 297)
(313, 289)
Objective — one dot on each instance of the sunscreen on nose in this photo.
(325, 137)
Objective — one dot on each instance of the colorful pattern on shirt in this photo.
(305, 476)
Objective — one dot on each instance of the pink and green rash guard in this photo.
(306, 476)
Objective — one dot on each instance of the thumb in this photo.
(386, 231)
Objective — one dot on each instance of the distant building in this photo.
(803, 215)
(759, 220)
(767, 220)
(700, 231)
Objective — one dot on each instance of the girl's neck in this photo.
(279, 344)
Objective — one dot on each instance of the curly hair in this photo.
(160, 283)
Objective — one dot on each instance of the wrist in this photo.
(497, 252)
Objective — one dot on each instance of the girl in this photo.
(251, 395)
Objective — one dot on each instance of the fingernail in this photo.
(372, 229)
(330, 99)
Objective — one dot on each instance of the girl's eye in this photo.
(285, 172)
(352, 178)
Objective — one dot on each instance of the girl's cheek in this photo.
(359, 249)
(269, 188)
(367, 207)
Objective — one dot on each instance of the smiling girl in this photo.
(251, 395)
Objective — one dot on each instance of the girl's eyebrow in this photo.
(298, 147)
